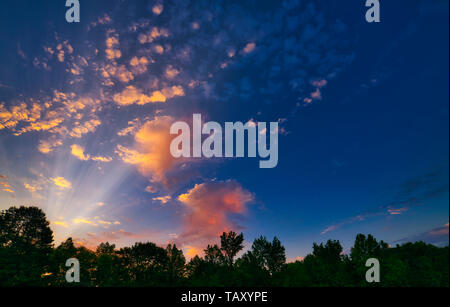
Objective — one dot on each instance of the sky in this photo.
(362, 108)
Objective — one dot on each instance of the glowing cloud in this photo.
(209, 205)
(152, 156)
(158, 9)
(62, 183)
(60, 223)
(84, 221)
(78, 152)
(131, 95)
(249, 48)
(163, 199)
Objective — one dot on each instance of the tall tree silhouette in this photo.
(269, 255)
(145, 262)
(25, 244)
(214, 255)
(175, 264)
(231, 244)
(363, 249)
(25, 225)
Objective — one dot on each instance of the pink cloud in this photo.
(209, 206)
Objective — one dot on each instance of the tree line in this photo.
(28, 257)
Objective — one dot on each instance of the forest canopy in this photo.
(28, 257)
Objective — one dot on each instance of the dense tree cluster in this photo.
(28, 258)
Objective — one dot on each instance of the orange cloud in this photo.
(155, 33)
(192, 251)
(84, 128)
(84, 221)
(60, 223)
(249, 48)
(163, 199)
(133, 125)
(210, 205)
(101, 159)
(152, 154)
(31, 188)
(4, 184)
(112, 43)
(131, 95)
(62, 183)
(157, 9)
(47, 146)
(78, 152)
(171, 72)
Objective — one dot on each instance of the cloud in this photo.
(84, 128)
(249, 48)
(32, 188)
(438, 236)
(209, 206)
(397, 211)
(139, 65)
(78, 151)
(192, 251)
(61, 182)
(330, 228)
(112, 44)
(157, 9)
(152, 149)
(131, 95)
(410, 194)
(171, 72)
(60, 115)
(47, 146)
(101, 159)
(60, 223)
(133, 125)
(152, 35)
(163, 199)
(134, 62)
(151, 189)
(4, 183)
(84, 221)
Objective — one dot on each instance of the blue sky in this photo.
(85, 111)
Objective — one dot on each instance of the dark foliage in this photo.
(28, 258)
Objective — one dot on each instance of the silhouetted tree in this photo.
(25, 244)
(175, 264)
(58, 258)
(326, 265)
(25, 226)
(145, 262)
(106, 249)
(268, 255)
(363, 249)
(231, 244)
(108, 269)
(214, 255)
